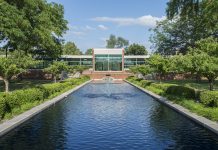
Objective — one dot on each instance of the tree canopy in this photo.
(88, 51)
(14, 64)
(187, 21)
(136, 49)
(70, 48)
(117, 42)
(32, 26)
(56, 69)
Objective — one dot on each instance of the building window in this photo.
(108, 62)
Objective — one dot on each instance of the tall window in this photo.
(108, 62)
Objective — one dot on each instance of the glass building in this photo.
(102, 60)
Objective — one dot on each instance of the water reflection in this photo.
(125, 119)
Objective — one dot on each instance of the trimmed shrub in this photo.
(2, 107)
(162, 86)
(145, 83)
(20, 97)
(183, 91)
(209, 98)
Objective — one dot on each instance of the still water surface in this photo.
(109, 116)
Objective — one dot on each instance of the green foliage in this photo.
(208, 45)
(20, 97)
(143, 69)
(33, 26)
(204, 59)
(136, 49)
(70, 48)
(209, 98)
(16, 100)
(160, 65)
(74, 69)
(88, 51)
(56, 68)
(2, 107)
(145, 83)
(117, 42)
(183, 91)
(179, 98)
(16, 63)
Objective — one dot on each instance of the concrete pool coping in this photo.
(208, 124)
(11, 124)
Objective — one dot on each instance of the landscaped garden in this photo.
(181, 66)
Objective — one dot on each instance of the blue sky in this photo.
(92, 21)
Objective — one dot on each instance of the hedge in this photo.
(183, 91)
(209, 98)
(2, 107)
(17, 98)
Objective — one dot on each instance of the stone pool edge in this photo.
(208, 124)
(11, 124)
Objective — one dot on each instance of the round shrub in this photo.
(209, 98)
(182, 91)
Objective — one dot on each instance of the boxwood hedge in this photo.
(183, 91)
(17, 98)
(209, 98)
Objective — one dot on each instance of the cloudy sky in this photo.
(92, 21)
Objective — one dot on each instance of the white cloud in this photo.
(147, 20)
(78, 33)
(102, 27)
(88, 28)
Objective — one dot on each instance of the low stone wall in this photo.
(100, 75)
(36, 74)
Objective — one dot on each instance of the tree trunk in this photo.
(198, 78)
(211, 85)
(6, 85)
(55, 78)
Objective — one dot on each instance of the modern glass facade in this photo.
(108, 62)
(101, 60)
(129, 62)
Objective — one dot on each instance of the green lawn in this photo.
(189, 103)
(203, 85)
(24, 84)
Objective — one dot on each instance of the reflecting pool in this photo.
(114, 116)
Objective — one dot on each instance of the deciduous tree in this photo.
(14, 64)
(136, 49)
(70, 48)
(56, 69)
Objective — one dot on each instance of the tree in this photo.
(204, 10)
(210, 70)
(142, 69)
(180, 64)
(88, 51)
(208, 45)
(74, 69)
(204, 57)
(159, 65)
(175, 36)
(70, 48)
(34, 27)
(14, 64)
(117, 42)
(56, 69)
(136, 49)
